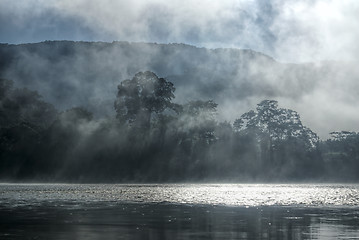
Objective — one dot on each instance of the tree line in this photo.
(153, 139)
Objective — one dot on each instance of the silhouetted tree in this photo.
(141, 96)
(282, 146)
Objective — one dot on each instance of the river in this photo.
(179, 211)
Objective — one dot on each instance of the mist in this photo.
(226, 61)
(181, 119)
(86, 74)
(305, 32)
(152, 138)
(289, 31)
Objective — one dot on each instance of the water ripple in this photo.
(306, 195)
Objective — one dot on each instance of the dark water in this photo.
(199, 211)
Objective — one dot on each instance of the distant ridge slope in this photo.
(86, 74)
(69, 73)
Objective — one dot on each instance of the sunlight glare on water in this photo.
(209, 194)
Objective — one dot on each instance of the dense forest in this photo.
(150, 138)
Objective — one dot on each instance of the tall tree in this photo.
(140, 97)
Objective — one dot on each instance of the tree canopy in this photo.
(139, 97)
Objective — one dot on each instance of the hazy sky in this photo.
(288, 30)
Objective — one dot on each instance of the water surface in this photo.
(179, 211)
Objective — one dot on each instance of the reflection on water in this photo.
(54, 212)
(211, 194)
